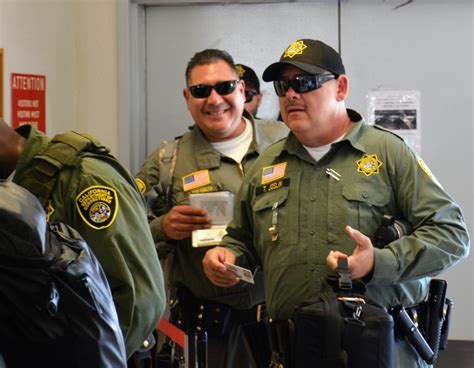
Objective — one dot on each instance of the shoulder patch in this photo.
(427, 171)
(98, 206)
(141, 185)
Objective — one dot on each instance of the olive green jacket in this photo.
(121, 239)
(378, 175)
(195, 153)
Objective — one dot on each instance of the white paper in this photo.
(219, 206)
(399, 111)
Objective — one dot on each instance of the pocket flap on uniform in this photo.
(266, 200)
(377, 196)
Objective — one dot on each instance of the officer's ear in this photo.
(258, 98)
(186, 94)
(342, 87)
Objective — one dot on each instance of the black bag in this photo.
(342, 328)
(56, 308)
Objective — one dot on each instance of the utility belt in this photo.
(190, 314)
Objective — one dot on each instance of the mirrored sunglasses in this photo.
(249, 95)
(222, 88)
(302, 83)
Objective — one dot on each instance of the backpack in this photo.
(56, 307)
(64, 150)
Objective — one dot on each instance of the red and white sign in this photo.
(29, 100)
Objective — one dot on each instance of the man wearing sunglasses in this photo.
(321, 194)
(212, 157)
(253, 97)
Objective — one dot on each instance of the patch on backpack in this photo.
(141, 185)
(98, 206)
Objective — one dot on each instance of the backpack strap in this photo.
(64, 150)
(167, 155)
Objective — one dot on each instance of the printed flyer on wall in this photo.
(399, 111)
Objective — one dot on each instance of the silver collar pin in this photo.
(334, 174)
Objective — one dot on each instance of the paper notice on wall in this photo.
(399, 111)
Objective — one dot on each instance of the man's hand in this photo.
(361, 262)
(180, 221)
(215, 269)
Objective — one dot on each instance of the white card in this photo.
(241, 273)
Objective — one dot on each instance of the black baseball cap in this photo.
(311, 56)
(249, 76)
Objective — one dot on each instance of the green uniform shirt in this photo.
(378, 175)
(120, 238)
(195, 153)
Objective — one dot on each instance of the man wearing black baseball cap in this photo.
(320, 195)
(253, 97)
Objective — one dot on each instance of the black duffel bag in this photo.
(342, 328)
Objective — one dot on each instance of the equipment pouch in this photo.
(343, 329)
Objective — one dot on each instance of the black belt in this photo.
(195, 314)
(255, 314)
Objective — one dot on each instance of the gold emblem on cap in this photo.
(240, 70)
(296, 48)
(368, 165)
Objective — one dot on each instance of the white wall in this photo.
(247, 32)
(73, 43)
(425, 46)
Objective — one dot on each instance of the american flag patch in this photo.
(274, 172)
(196, 179)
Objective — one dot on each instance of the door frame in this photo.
(1, 83)
(132, 89)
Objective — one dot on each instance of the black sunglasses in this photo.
(249, 95)
(302, 83)
(222, 88)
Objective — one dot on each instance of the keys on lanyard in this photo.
(273, 230)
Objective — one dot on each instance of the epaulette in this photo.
(388, 131)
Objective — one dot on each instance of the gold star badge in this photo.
(296, 48)
(368, 165)
(240, 70)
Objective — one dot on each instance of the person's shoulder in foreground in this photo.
(98, 197)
